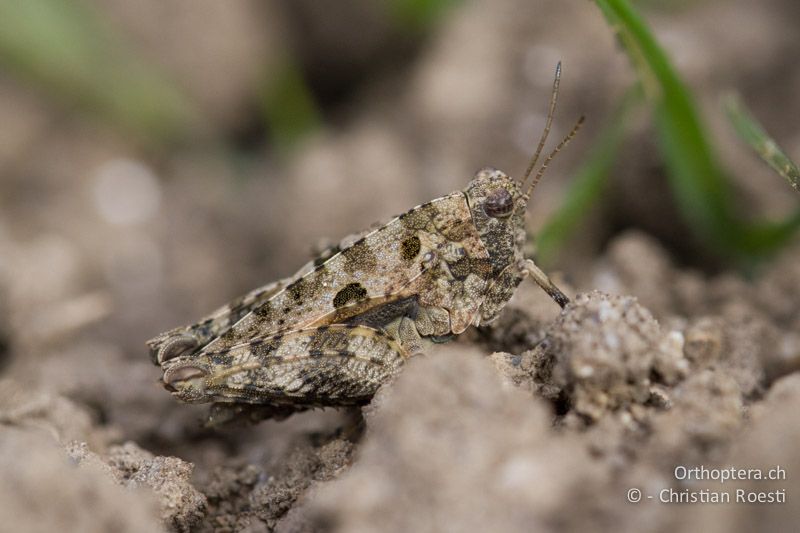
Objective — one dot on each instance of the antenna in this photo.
(551, 155)
(548, 123)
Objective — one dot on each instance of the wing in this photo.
(187, 339)
(375, 269)
(326, 366)
(194, 337)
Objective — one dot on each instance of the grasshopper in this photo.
(344, 324)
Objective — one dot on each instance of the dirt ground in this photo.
(543, 421)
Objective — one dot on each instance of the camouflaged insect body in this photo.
(342, 326)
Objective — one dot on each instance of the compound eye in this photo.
(499, 203)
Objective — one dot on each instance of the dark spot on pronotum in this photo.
(409, 248)
(352, 292)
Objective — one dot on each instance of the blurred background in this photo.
(160, 158)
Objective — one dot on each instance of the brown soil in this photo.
(606, 399)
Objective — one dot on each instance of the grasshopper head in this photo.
(498, 203)
(498, 211)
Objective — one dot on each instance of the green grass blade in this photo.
(289, 108)
(587, 186)
(700, 186)
(750, 130)
(419, 15)
(64, 48)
